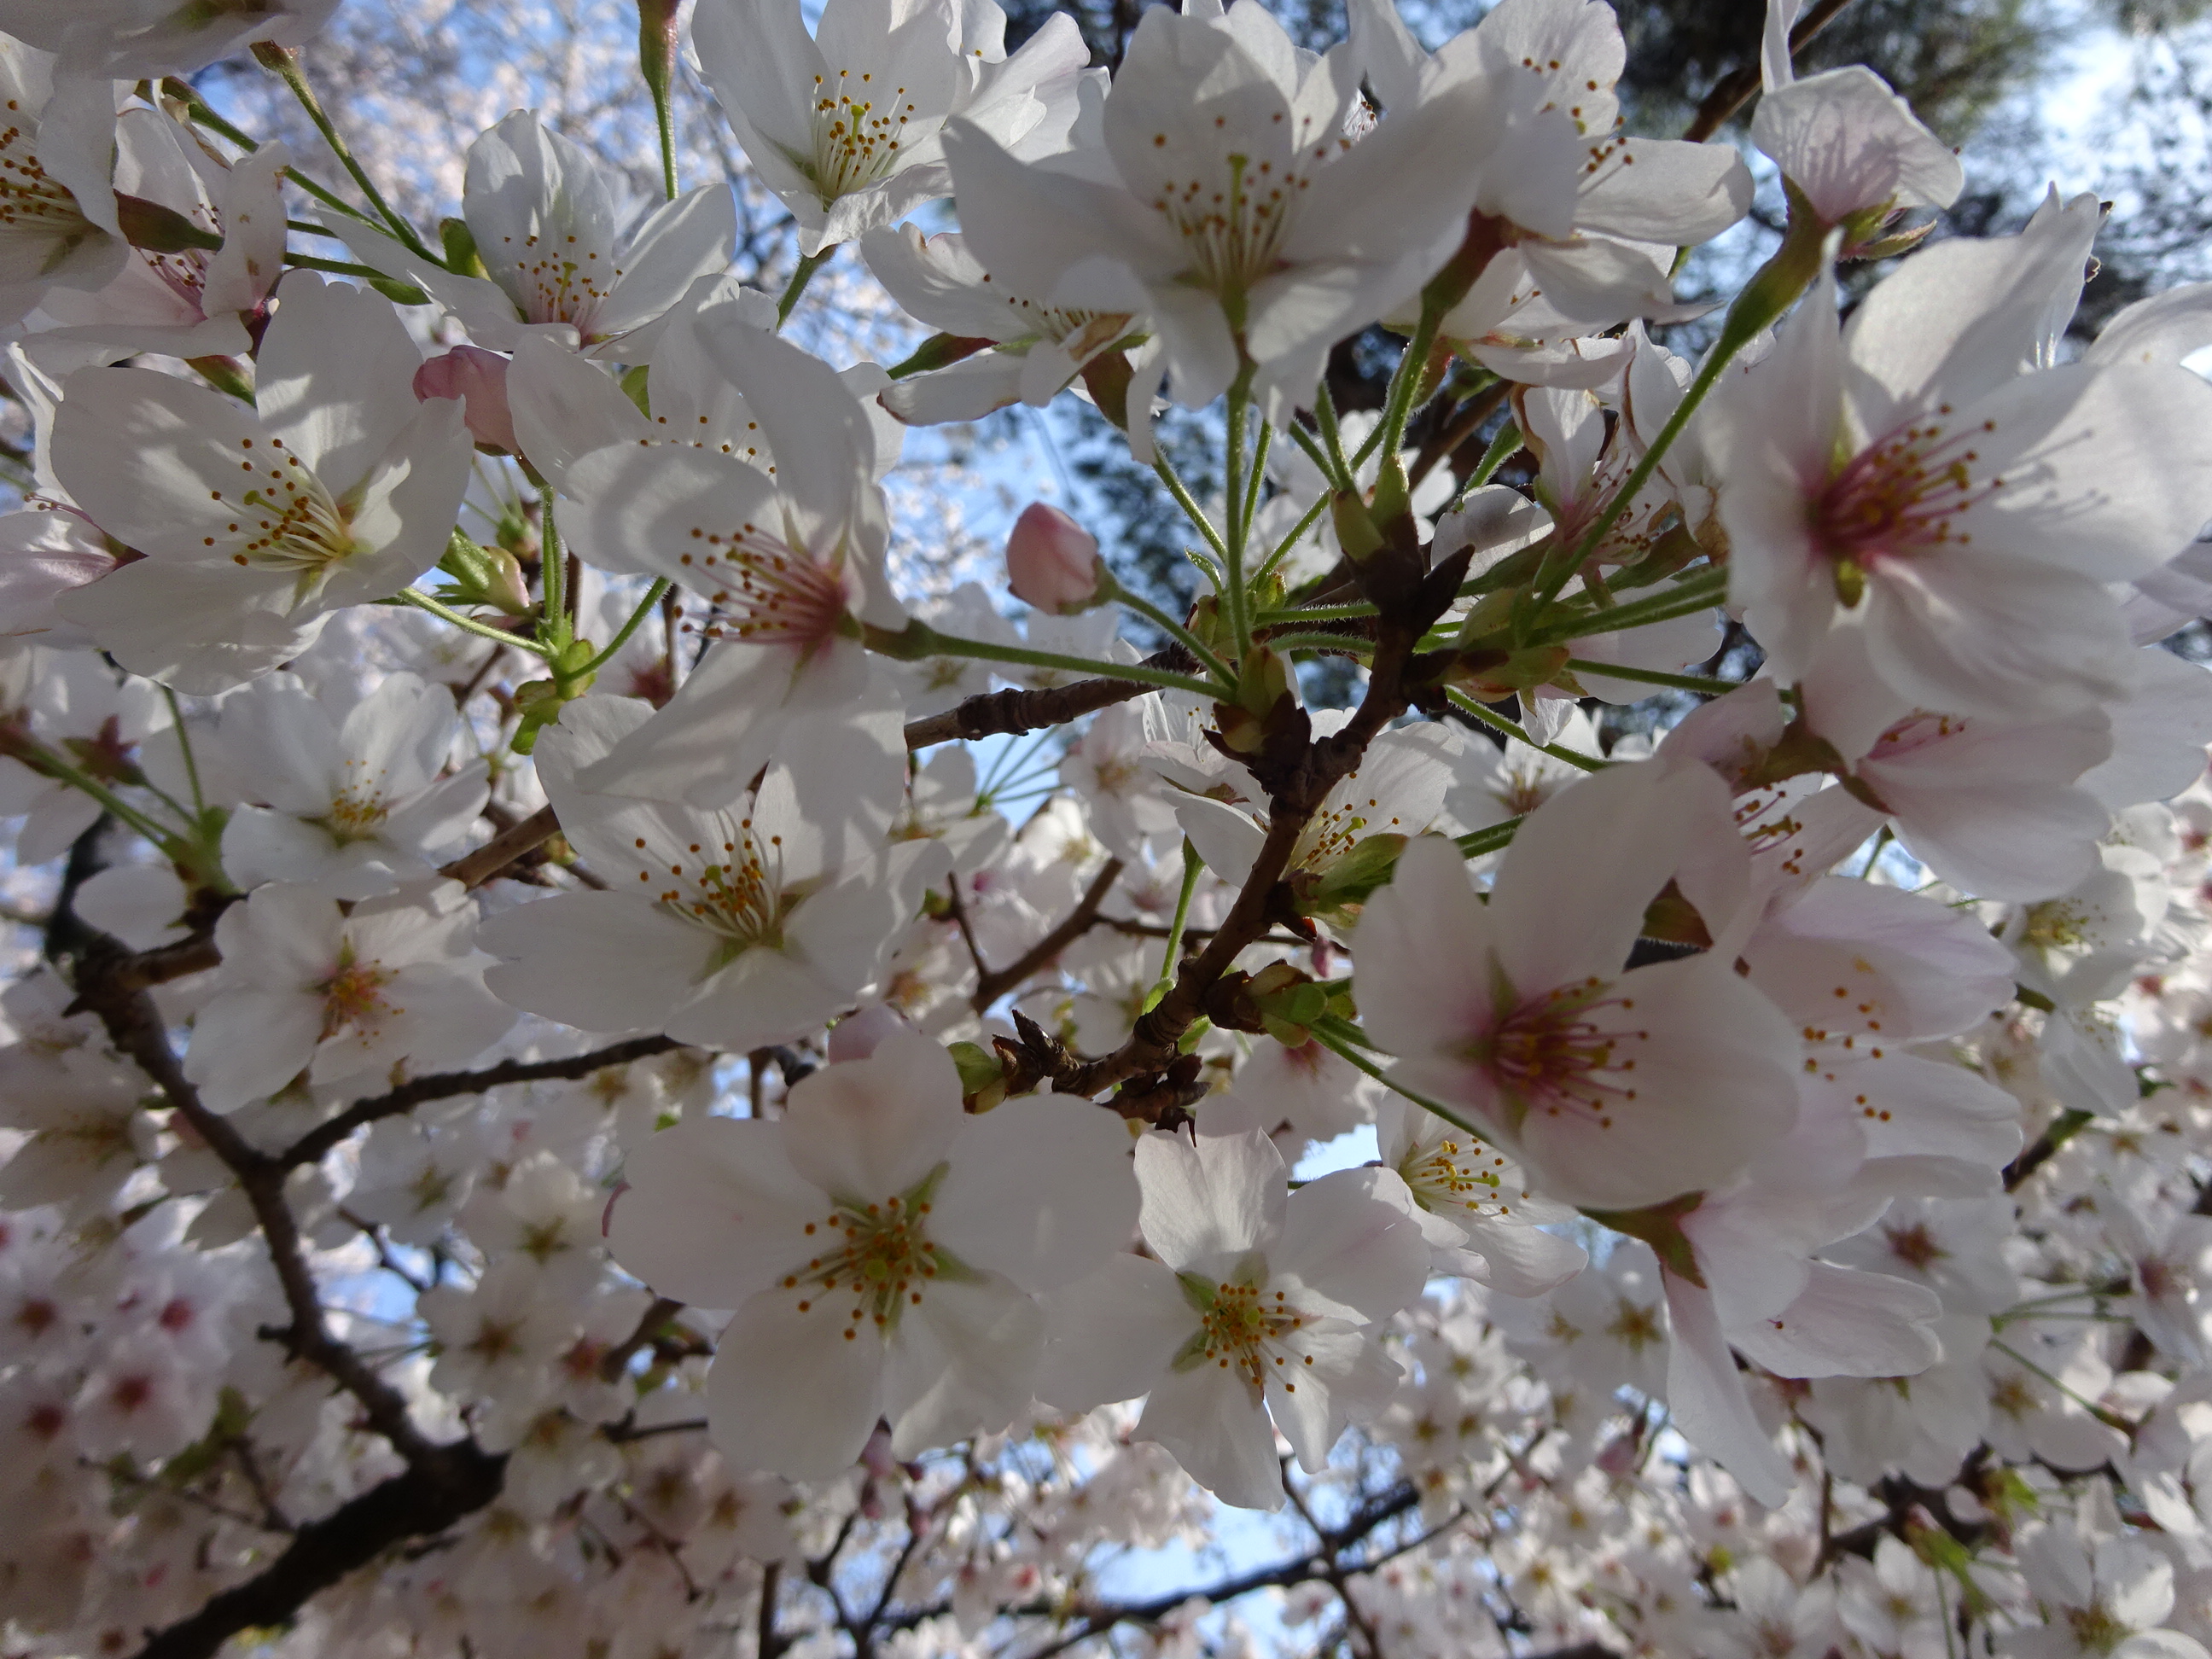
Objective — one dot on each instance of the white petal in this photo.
(1847, 1323)
(1207, 1204)
(1110, 1335)
(1705, 1393)
(1211, 1420)
(962, 1362)
(600, 962)
(1351, 1240)
(1041, 1189)
(795, 1393)
(866, 1130)
(710, 1211)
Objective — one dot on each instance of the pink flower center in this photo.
(1553, 1057)
(772, 596)
(1898, 497)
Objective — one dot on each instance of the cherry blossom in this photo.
(354, 809)
(544, 215)
(1252, 1295)
(845, 127)
(744, 925)
(880, 1251)
(1615, 1089)
(337, 488)
(1953, 466)
(344, 998)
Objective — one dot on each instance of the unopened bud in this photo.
(478, 379)
(855, 1036)
(656, 43)
(1052, 562)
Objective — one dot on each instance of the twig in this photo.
(1732, 90)
(618, 1359)
(384, 1259)
(996, 982)
(770, 1643)
(422, 1500)
(1472, 414)
(442, 1483)
(1013, 712)
(1296, 786)
(960, 921)
(623, 1433)
(2045, 1148)
(135, 1028)
(310, 1147)
(1296, 1571)
(474, 869)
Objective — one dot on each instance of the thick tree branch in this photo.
(135, 1028)
(440, 1484)
(454, 1482)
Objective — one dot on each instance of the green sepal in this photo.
(982, 1076)
(459, 243)
(938, 352)
(485, 576)
(1660, 1226)
(159, 230)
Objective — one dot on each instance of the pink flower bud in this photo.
(479, 377)
(855, 1036)
(1052, 562)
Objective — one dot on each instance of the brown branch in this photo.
(1472, 414)
(426, 1498)
(624, 1433)
(1298, 1570)
(441, 1482)
(664, 1309)
(474, 869)
(1732, 90)
(959, 910)
(1297, 785)
(1012, 712)
(164, 962)
(2063, 1128)
(310, 1147)
(135, 1028)
(996, 982)
(769, 1642)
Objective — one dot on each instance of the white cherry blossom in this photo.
(339, 488)
(845, 125)
(354, 808)
(1255, 1305)
(350, 1000)
(547, 223)
(880, 1250)
(738, 926)
(1615, 1089)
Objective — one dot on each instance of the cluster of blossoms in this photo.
(585, 1088)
